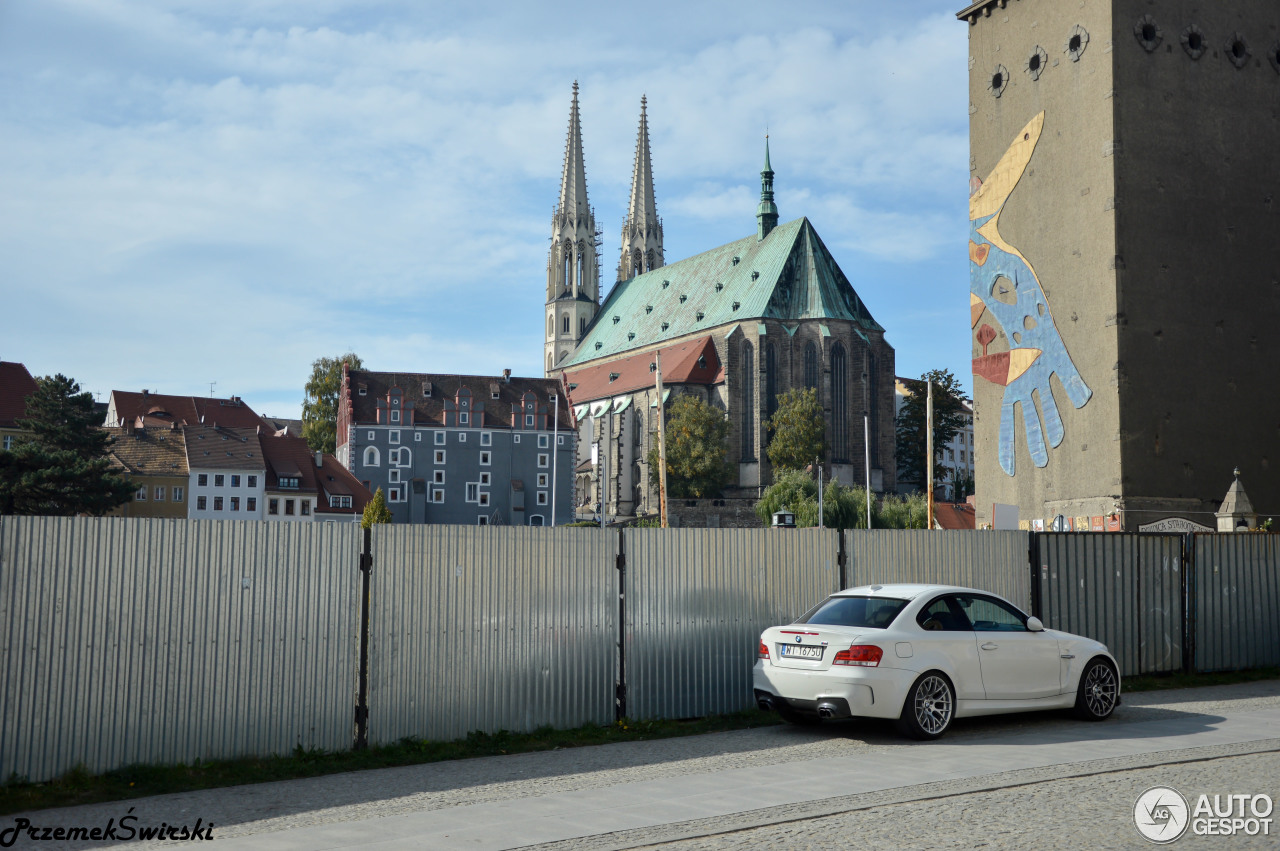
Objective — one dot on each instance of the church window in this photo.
(565, 268)
(873, 393)
(770, 379)
(810, 365)
(566, 323)
(748, 393)
(582, 325)
(580, 277)
(839, 404)
(551, 326)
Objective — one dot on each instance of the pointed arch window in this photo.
(873, 394)
(839, 404)
(770, 379)
(748, 399)
(566, 323)
(810, 365)
(580, 271)
(566, 265)
(551, 326)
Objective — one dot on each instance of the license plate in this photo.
(801, 651)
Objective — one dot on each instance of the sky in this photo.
(204, 197)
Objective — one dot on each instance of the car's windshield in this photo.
(870, 612)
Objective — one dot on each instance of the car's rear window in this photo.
(870, 612)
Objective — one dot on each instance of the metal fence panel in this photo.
(697, 601)
(490, 628)
(990, 561)
(1237, 596)
(129, 640)
(1124, 590)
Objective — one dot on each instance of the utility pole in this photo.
(929, 450)
(662, 444)
(866, 444)
(817, 465)
(555, 456)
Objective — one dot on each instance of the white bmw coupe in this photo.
(926, 655)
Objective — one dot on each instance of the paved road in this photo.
(1037, 780)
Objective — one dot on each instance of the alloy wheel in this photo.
(933, 705)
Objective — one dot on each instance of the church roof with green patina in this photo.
(789, 275)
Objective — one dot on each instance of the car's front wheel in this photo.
(1099, 691)
(929, 708)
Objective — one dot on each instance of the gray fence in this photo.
(697, 601)
(1237, 601)
(161, 641)
(1123, 590)
(489, 628)
(992, 561)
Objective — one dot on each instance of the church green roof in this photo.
(788, 275)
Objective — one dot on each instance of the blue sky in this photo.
(196, 192)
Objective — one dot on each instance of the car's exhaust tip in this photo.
(765, 703)
(827, 710)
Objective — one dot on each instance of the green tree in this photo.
(842, 507)
(376, 511)
(948, 419)
(60, 467)
(697, 442)
(799, 430)
(320, 407)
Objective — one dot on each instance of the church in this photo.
(737, 325)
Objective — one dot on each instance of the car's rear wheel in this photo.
(929, 708)
(1099, 691)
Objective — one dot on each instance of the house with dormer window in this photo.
(460, 449)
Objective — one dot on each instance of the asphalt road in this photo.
(1039, 780)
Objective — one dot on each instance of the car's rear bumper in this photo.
(861, 692)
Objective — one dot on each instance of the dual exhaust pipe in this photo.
(767, 703)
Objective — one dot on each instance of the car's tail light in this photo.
(764, 651)
(862, 655)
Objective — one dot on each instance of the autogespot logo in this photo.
(1161, 814)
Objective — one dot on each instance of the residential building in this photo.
(342, 498)
(16, 384)
(161, 409)
(459, 449)
(304, 486)
(227, 473)
(737, 325)
(155, 461)
(1125, 271)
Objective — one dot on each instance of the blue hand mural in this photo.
(1002, 282)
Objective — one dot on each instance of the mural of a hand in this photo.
(1002, 282)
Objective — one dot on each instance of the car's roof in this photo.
(907, 590)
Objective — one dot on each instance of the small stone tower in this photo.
(573, 273)
(642, 231)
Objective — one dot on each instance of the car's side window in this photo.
(943, 615)
(990, 615)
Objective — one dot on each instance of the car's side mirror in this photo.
(1034, 625)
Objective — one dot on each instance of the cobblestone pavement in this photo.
(415, 806)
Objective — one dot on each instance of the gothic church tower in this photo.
(642, 231)
(573, 273)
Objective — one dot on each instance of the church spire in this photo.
(767, 211)
(642, 231)
(573, 273)
(573, 182)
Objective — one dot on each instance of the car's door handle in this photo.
(1068, 655)
(990, 646)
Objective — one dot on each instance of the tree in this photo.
(948, 419)
(60, 467)
(320, 407)
(799, 430)
(842, 507)
(376, 511)
(697, 442)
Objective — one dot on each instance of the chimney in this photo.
(506, 375)
(145, 391)
(319, 459)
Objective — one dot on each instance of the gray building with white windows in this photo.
(460, 449)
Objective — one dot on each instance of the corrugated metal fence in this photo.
(161, 641)
(697, 601)
(992, 561)
(1237, 601)
(1123, 590)
(489, 628)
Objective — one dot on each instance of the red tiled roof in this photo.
(429, 410)
(954, 515)
(337, 480)
(290, 457)
(212, 448)
(188, 410)
(690, 362)
(16, 384)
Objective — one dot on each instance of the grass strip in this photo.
(138, 781)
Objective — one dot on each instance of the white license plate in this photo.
(801, 651)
